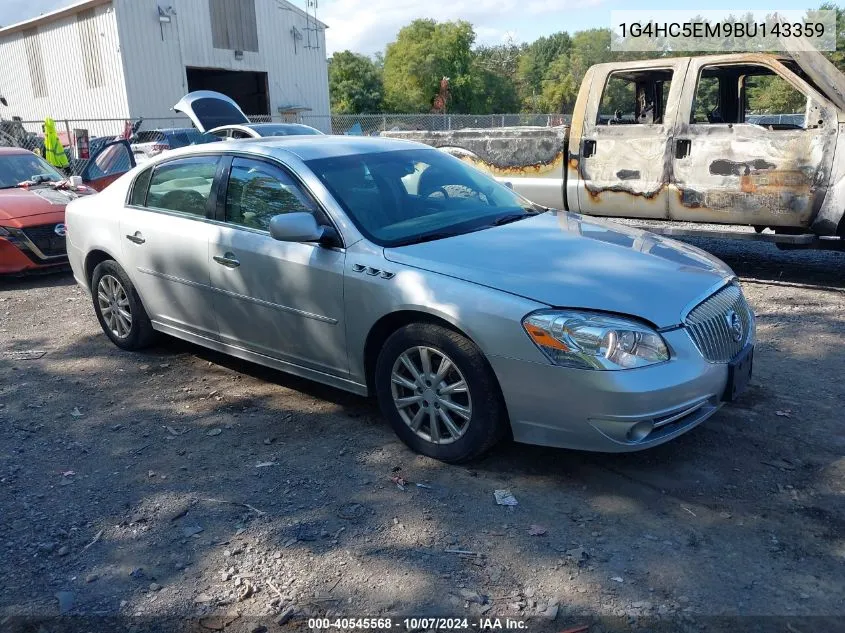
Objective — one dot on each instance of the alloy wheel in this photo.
(114, 306)
(431, 395)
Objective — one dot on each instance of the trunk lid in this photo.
(209, 109)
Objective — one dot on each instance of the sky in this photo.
(366, 26)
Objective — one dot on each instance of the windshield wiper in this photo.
(510, 217)
(428, 237)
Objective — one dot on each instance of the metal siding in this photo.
(67, 95)
(155, 71)
(143, 63)
(296, 75)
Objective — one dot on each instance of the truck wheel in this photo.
(119, 309)
(439, 393)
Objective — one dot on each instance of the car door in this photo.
(280, 299)
(112, 161)
(165, 231)
(627, 125)
(753, 145)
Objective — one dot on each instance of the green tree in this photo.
(424, 52)
(533, 63)
(355, 84)
(562, 78)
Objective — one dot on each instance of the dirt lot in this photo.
(183, 483)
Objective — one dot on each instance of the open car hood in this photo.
(208, 110)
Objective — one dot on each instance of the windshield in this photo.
(415, 195)
(18, 168)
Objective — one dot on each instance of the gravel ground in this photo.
(180, 482)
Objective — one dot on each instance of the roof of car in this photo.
(306, 147)
(13, 150)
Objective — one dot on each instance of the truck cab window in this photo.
(747, 93)
(636, 97)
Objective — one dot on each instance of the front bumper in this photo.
(611, 411)
(16, 257)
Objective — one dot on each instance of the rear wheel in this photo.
(119, 309)
(439, 393)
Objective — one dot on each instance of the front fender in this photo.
(490, 318)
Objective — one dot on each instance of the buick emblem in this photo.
(735, 326)
(60, 230)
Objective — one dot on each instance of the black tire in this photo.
(488, 420)
(141, 333)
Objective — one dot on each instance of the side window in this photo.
(771, 100)
(139, 188)
(747, 94)
(110, 161)
(257, 191)
(183, 185)
(239, 134)
(635, 97)
(705, 107)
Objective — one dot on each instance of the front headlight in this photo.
(591, 340)
(4, 232)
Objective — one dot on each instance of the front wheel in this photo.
(439, 393)
(119, 309)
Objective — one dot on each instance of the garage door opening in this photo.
(248, 89)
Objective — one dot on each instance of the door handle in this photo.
(589, 148)
(683, 146)
(228, 260)
(136, 238)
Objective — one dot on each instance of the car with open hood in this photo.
(219, 116)
(33, 197)
(389, 268)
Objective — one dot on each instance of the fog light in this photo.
(640, 431)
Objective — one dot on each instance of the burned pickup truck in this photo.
(743, 139)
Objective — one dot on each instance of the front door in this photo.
(112, 161)
(627, 126)
(753, 146)
(165, 232)
(280, 299)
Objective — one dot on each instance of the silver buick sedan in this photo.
(390, 268)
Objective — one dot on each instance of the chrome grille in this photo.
(709, 324)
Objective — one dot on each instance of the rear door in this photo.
(165, 230)
(625, 139)
(753, 145)
(280, 299)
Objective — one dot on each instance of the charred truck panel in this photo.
(690, 139)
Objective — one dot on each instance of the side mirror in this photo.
(295, 227)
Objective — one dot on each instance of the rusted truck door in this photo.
(623, 154)
(753, 144)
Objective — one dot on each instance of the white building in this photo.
(119, 59)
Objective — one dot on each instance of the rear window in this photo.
(216, 112)
(183, 185)
(138, 196)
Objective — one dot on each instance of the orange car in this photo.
(33, 196)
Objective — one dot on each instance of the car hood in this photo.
(563, 260)
(16, 204)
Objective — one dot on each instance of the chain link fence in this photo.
(373, 124)
(148, 136)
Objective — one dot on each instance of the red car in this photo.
(33, 196)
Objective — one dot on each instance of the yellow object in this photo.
(54, 153)
(541, 337)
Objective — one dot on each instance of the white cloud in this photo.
(366, 26)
